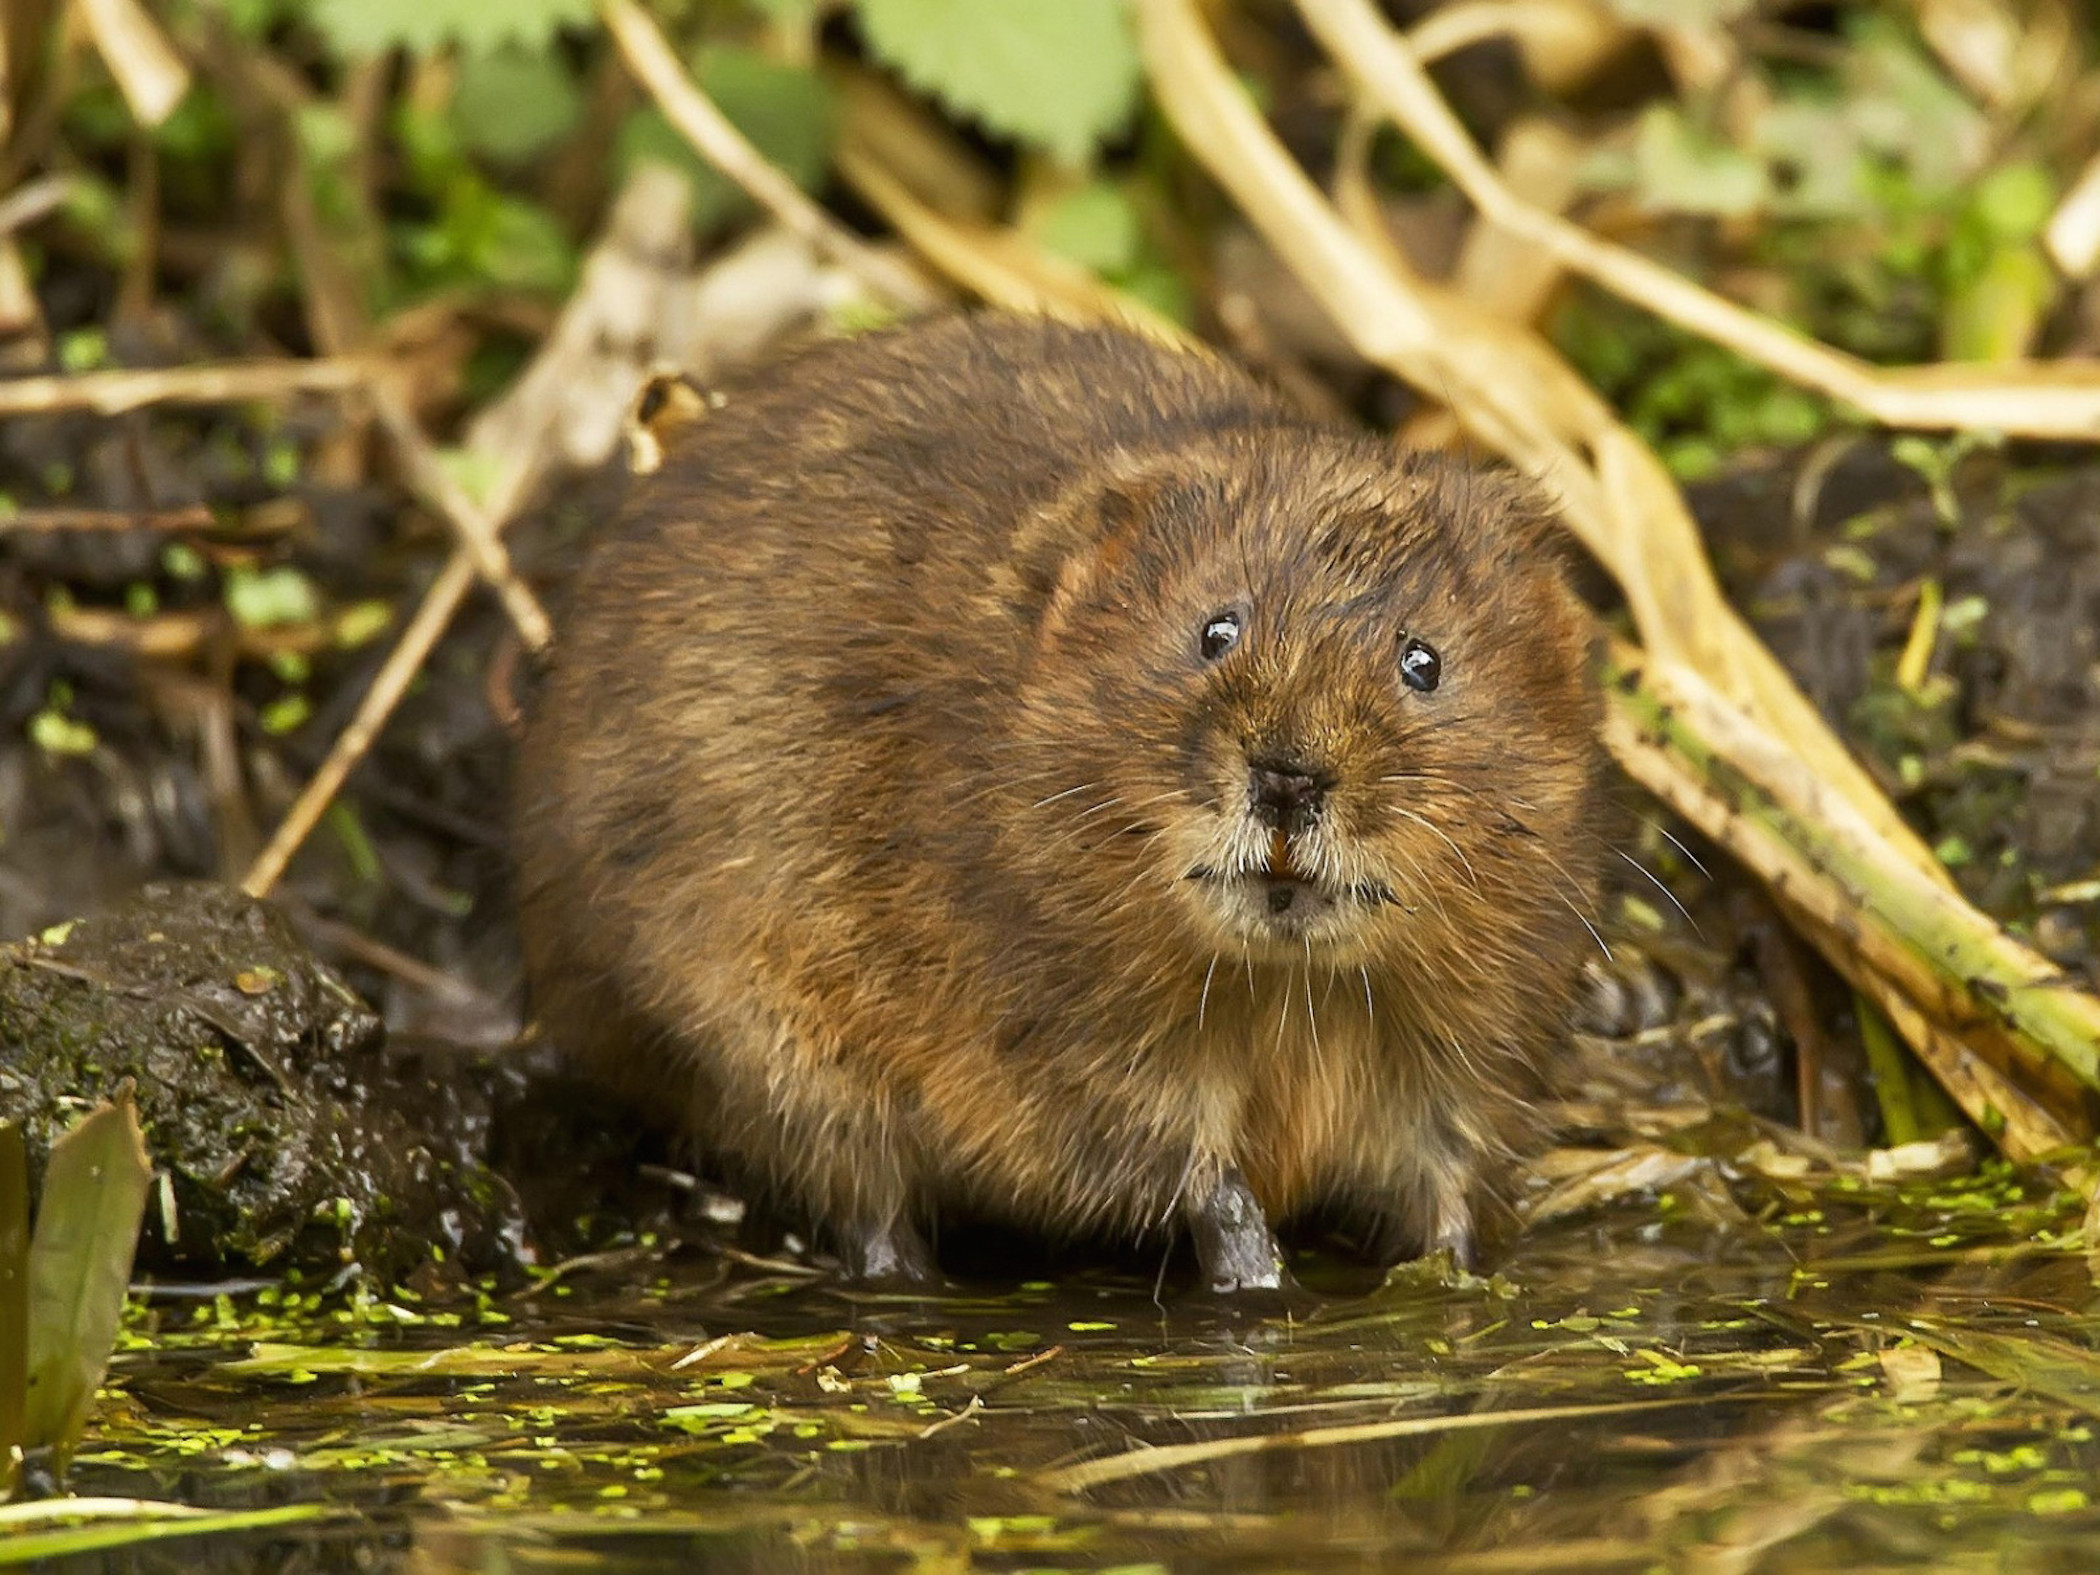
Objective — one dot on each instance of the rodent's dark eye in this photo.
(1221, 632)
(1420, 666)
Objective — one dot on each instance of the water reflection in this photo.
(1866, 1379)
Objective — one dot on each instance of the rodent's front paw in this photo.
(1235, 1249)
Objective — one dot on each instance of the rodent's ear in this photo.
(1524, 520)
(1104, 534)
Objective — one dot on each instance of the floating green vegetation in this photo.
(1857, 1360)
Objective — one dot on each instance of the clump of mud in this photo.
(284, 1129)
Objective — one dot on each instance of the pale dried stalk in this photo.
(41, 521)
(474, 525)
(182, 636)
(997, 264)
(223, 383)
(402, 664)
(2054, 400)
(148, 72)
(649, 57)
(2073, 234)
(29, 202)
(1561, 41)
(2002, 1017)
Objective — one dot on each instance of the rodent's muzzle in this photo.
(1286, 797)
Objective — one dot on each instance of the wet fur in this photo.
(857, 822)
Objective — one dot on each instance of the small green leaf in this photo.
(1095, 225)
(286, 714)
(2015, 201)
(1062, 74)
(83, 349)
(266, 598)
(786, 111)
(370, 27)
(55, 733)
(80, 1267)
(1996, 316)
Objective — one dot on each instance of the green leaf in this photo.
(370, 27)
(1062, 74)
(2014, 201)
(14, 1293)
(510, 104)
(786, 111)
(80, 1267)
(1683, 170)
(1996, 315)
(1094, 225)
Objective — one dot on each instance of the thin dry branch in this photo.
(2073, 234)
(643, 46)
(619, 266)
(41, 521)
(475, 527)
(30, 202)
(221, 383)
(2055, 400)
(147, 69)
(402, 664)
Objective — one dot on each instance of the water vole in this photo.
(1021, 770)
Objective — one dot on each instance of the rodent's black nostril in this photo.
(1284, 796)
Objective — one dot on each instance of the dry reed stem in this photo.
(2073, 233)
(220, 383)
(30, 201)
(648, 55)
(475, 527)
(2003, 1017)
(402, 664)
(2022, 399)
(995, 263)
(42, 521)
(181, 636)
(1150, 1458)
(147, 70)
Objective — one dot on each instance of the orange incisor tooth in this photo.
(1279, 854)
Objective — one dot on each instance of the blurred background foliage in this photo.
(1878, 172)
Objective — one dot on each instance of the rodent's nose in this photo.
(1285, 796)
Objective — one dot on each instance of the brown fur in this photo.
(859, 819)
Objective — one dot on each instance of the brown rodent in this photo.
(1026, 772)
